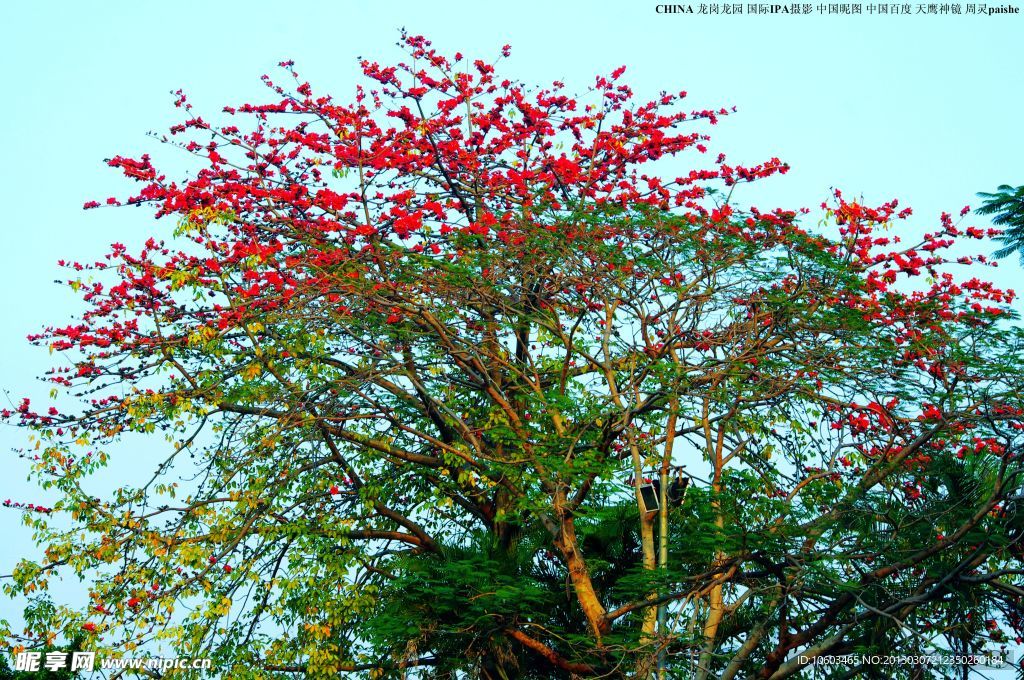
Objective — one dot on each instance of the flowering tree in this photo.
(413, 357)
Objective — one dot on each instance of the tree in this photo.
(414, 357)
(1007, 204)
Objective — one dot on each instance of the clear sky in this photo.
(923, 108)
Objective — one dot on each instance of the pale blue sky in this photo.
(923, 108)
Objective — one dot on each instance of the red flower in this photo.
(89, 626)
(227, 568)
(134, 602)
(334, 490)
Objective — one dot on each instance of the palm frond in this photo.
(1007, 206)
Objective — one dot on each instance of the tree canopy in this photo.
(411, 358)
